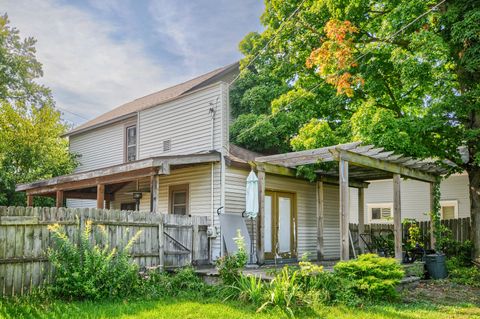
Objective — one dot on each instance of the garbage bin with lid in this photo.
(436, 267)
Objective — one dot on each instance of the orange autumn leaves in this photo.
(335, 57)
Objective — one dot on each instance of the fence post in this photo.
(161, 240)
(195, 239)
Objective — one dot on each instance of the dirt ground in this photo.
(443, 292)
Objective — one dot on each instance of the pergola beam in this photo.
(370, 162)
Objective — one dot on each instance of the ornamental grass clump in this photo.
(371, 277)
(83, 270)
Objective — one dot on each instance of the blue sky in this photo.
(98, 54)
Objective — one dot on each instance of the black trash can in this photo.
(436, 267)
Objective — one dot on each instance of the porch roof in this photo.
(117, 174)
(367, 162)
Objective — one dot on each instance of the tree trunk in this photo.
(474, 186)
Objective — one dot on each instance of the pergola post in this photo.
(361, 218)
(261, 214)
(432, 220)
(154, 181)
(344, 210)
(397, 216)
(29, 200)
(320, 217)
(100, 195)
(59, 199)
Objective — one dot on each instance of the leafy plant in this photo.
(230, 266)
(283, 292)
(91, 271)
(372, 277)
(463, 274)
(251, 289)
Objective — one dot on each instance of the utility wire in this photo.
(356, 60)
(73, 113)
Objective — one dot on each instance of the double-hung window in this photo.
(179, 199)
(131, 143)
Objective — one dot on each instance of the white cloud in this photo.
(88, 70)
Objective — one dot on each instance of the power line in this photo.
(356, 60)
(270, 41)
(73, 113)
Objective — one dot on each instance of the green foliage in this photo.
(91, 271)
(373, 277)
(461, 273)
(230, 266)
(452, 248)
(250, 289)
(415, 92)
(31, 146)
(414, 234)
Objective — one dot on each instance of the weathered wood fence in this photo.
(460, 228)
(165, 240)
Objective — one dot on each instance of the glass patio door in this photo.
(279, 225)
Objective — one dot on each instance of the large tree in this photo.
(401, 74)
(31, 146)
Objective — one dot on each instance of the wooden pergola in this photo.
(352, 165)
(101, 184)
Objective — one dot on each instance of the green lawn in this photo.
(192, 309)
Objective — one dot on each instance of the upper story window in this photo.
(380, 212)
(131, 143)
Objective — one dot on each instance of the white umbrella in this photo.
(251, 204)
(251, 196)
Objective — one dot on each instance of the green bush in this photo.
(459, 273)
(230, 266)
(371, 276)
(87, 271)
(251, 289)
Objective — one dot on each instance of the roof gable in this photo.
(129, 109)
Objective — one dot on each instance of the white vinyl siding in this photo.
(81, 203)
(415, 197)
(100, 147)
(186, 122)
(331, 223)
(306, 210)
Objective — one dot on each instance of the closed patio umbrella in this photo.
(251, 204)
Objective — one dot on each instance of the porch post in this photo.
(344, 210)
(29, 200)
(397, 216)
(432, 220)
(59, 199)
(100, 195)
(154, 193)
(320, 214)
(361, 218)
(261, 213)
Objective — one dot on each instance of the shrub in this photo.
(461, 274)
(91, 271)
(230, 266)
(371, 276)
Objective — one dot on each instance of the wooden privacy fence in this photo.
(165, 240)
(460, 227)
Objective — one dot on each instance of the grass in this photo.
(186, 309)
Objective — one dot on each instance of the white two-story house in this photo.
(169, 152)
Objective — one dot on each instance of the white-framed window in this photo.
(380, 212)
(131, 143)
(449, 209)
(179, 199)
